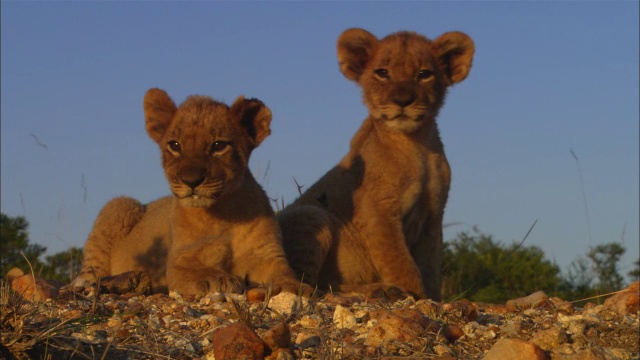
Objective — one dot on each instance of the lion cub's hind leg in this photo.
(114, 222)
(307, 235)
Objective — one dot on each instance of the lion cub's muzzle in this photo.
(193, 177)
(195, 188)
(401, 109)
(403, 96)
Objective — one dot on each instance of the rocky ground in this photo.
(120, 322)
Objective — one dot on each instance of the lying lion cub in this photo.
(218, 230)
(374, 222)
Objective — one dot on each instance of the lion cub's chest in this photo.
(409, 172)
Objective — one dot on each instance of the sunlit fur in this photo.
(217, 232)
(373, 223)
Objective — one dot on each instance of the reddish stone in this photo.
(594, 353)
(403, 325)
(625, 302)
(453, 332)
(278, 336)
(256, 295)
(237, 341)
(14, 273)
(492, 308)
(536, 299)
(34, 289)
(465, 308)
(514, 349)
(550, 339)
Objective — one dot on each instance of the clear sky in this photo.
(548, 77)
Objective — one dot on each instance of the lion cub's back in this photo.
(145, 248)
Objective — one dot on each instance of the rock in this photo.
(305, 340)
(595, 353)
(445, 357)
(417, 317)
(562, 306)
(462, 308)
(278, 336)
(311, 321)
(550, 338)
(452, 332)
(237, 341)
(473, 330)
(256, 294)
(132, 309)
(442, 350)
(130, 282)
(403, 325)
(429, 307)
(625, 302)
(33, 288)
(514, 349)
(14, 273)
(287, 303)
(562, 351)
(280, 354)
(343, 318)
(599, 353)
(491, 308)
(511, 328)
(534, 300)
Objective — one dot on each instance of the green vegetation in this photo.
(16, 250)
(479, 268)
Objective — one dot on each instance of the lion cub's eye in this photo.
(424, 74)
(381, 73)
(174, 146)
(219, 146)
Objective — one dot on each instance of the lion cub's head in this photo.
(404, 76)
(205, 144)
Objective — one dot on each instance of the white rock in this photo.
(310, 321)
(343, 318)
(286, 303)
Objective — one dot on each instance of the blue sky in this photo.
(548, 77)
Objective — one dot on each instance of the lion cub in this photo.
(374, 222)
(218, 231)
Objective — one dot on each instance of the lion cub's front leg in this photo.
(199, 268)
(115, 221)
(386, 244)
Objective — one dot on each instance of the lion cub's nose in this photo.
(193, 177)
(403, 98)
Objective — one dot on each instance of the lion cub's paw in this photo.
(390, 292)
(224, 283)
(380, 291)
(299, 288)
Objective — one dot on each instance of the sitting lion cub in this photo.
(374, 222)
(218, 230)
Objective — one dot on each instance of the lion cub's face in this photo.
(404, 76)
(205, 144)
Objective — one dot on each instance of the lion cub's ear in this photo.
(455, 55)
(158, 112)
(355, 48)
(255, 118)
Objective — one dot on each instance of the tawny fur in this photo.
(374, 222)
(217, 232)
